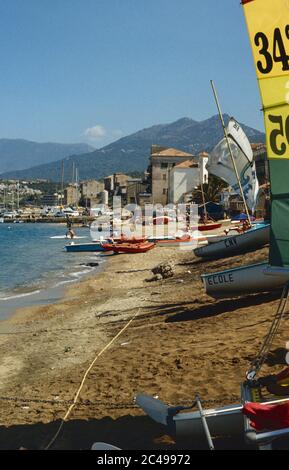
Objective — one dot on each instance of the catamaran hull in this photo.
(234, 245)
(225, 422)
(244, 280)
(222, 422)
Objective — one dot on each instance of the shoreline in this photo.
(181, 343)
(39, 269)
(41, 295)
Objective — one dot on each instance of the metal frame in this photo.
(264, 439)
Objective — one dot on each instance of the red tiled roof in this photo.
(171, 152)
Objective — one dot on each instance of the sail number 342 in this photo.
(272, 53)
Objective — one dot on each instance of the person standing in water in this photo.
(70, 233)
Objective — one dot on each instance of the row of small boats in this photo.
(134, 244)
(129, 245)
(227, 283)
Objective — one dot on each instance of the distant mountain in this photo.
(131, 153)
(19, 154)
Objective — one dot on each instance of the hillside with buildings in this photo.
(130, 154)
(172, 177)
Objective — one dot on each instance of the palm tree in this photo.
(211, 190)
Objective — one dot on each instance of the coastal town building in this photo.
(183, 178)
(51, 200)
(175, 174)
(137, 192)
(116, 185)
(260, 157)
(120, 182)
(263, 197)
(91, 192)
(71, 195)
(162, 161)
(108, 183)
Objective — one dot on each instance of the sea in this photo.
(35, 267)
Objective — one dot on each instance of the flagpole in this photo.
(230, 149)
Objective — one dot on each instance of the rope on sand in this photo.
(85, 376)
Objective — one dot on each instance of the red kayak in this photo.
(129, 247)
(131, 240)
(207, 227)
(176, 241)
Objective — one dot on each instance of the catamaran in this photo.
(260, 421)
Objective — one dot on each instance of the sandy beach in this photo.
(181, 343)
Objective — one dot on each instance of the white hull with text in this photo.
(245, 280)
(230, 246)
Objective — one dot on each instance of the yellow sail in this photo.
(268, 26)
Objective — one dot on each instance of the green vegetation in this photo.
(46, 187)
(211, 190)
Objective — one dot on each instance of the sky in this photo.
(95, 70)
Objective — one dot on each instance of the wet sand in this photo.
(181, 343)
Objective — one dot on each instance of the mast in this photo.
(18, 195)
(230, 149)
(201, 176)
(204, 201)
(62, 181)
(76, 186)
(73, 172)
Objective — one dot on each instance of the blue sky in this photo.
(93, 70)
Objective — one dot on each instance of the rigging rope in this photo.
(260, 359)
(85, 376)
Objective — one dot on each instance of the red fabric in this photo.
(269, 417)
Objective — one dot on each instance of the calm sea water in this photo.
(33, 266)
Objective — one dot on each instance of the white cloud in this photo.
(99, 134)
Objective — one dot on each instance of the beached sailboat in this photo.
(232, 161)
(204, 425)
(268, 25)
(236, 244)
(245, 280)
(273, 78)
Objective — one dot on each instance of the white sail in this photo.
(236, 132)
(220, 163)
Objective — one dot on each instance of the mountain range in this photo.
(20, 154)
(130, 154)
